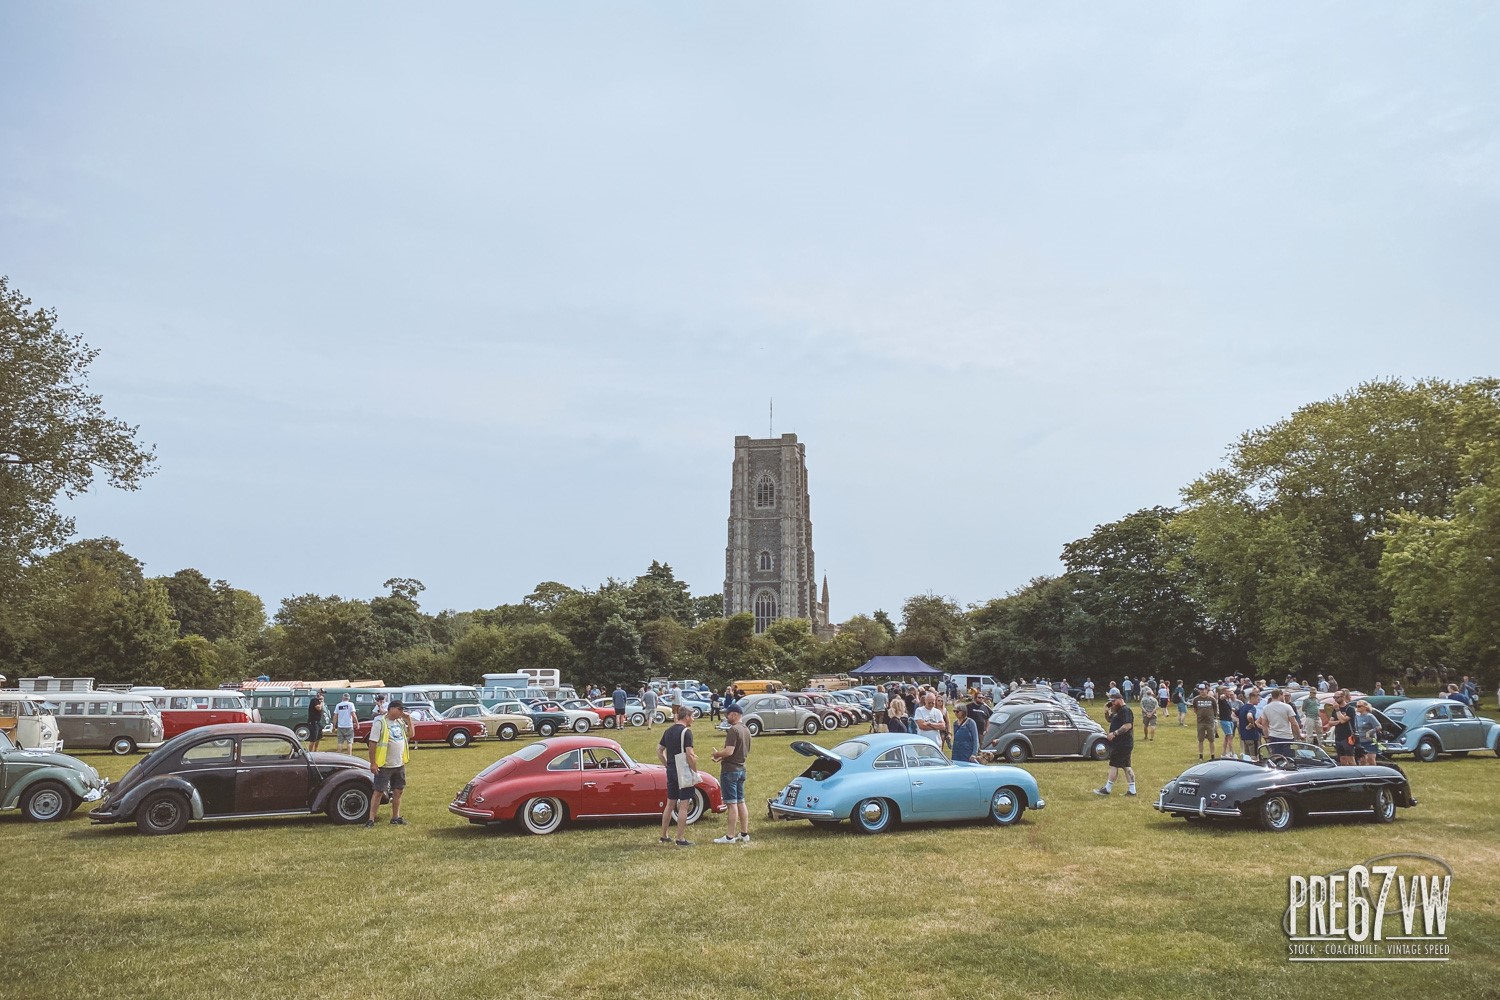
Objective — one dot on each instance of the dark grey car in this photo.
(1021, 731)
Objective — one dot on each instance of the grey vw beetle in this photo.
(1021, 731)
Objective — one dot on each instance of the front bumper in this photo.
(780, 810)
(1041, 803)
(1188, 809)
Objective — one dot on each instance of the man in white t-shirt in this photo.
(344, 721)
(1279, 721)
(932, 722)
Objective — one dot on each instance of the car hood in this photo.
(1219, 769)
(807, 749)
(47, 758)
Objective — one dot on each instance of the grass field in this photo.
(1088, 898)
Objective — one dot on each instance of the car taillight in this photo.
(463, 796)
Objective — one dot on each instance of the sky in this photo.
(482, 293)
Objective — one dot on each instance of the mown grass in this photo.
(1088, 898)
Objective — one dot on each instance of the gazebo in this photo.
(895, 666)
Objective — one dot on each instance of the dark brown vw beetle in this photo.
(229, 771)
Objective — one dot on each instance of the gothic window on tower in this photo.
(765, 610)
(765, 491)
(765, 561)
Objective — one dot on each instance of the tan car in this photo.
(500, 725)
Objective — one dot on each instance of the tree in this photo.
(931, 628)
(400, 620)
(884, 620)
(189, 662)
(194, 603)
(325, 637)
(658, 593)
(708, 606)
(1287, 539)
(55, 437)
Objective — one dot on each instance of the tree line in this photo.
(1359, 536)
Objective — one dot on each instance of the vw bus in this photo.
(25, 719)
(182, 710)
(119, 722)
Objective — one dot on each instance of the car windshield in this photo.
(851, 750)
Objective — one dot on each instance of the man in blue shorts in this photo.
(731, 757)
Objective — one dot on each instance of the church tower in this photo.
(768, 564)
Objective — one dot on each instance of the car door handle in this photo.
(588, 784)
(915, 782)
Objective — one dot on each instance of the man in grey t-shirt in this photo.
(648, 700)
(731, 757)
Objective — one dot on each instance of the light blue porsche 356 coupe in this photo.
(878, 780)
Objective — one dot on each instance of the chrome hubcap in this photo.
(46, 804)
(541, 813)
(871, 812)
(352, 804)
(1004, 805)
(1276, 812)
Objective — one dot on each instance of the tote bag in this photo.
(687, 777)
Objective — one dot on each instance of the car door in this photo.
(780, 713)
(209, 766)
(272, 776)
(897, 783)
(1436, 718)
(1057, 737)
(1468, 731)
(613, 787)
(939, 788)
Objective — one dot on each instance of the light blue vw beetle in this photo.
(1428, 727)
(878, 780)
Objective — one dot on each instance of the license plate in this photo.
(1188, 789)
(791, 795)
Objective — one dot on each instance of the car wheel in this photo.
(698, 808)
(697, 714)
(351, 805)
(506, 732)
(541, 816)
(303, 731)
(1385, 805)
(122, 746)
(638, 719)
(1006, 806)
(46, 801)
(1427, 750)
(546, 728)
(831, 722)
(609, 722)
(459, 738)
(1016, 752)
(581, 726)
(162, 813)
(811, 727)
(873, 816)
(1100, 749)
(754, 726)
(1276, 814)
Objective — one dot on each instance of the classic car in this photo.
(879, 780)
(829, 716)
(635, 712)
(184, 709)
(580, 720)
(1017, 732)
(673, 697)
(228, 771)
(24, 718)
(572, 778)
(1280, 788)
(500, 725)
(1427, 728)
(775, 713)
(857, 700)
(605, 712)
(43, 784)
(545, 723)
(431, 728)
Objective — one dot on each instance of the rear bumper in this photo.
(1188, 809)
(779, 810)
(468, 812)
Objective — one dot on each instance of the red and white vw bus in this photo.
(182, 710)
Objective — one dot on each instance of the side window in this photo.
(129, 708)
(281, 702)
(9, 709)
(302, 700)
(98, 708)
(72, 708)
(930, 756)
(229, 703)
(209, 752)
(1437, 714)
(567, 762)
(179, 704)
(599, 757)
(888, 760)
(265, 748)
(783, 703)
(1057, 720)
(1458, 711)
(1031, 720)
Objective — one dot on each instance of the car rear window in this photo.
(851, 750)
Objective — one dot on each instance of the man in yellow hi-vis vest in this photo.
(391, 739)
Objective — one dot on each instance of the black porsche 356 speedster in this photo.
(1299, 782)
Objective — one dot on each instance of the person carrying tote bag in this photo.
(676, 753)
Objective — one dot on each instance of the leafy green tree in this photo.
(931, 628)
(657, 594)
(708, 606)
(398, 616)
(1032, 632)
(189, 662)
(194, 603)
(663, 641)
(616, 657)
(55, 437)
(884, 621)
(325, 637)
(547, 596)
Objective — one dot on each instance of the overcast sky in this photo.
(481, 294)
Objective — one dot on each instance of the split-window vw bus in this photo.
(106, 720)
(182, 710)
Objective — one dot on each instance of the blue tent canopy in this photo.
(896, 666)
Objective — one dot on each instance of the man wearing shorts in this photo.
(678, 739)
(731, 757)
(344, 721)
(390, 748)
(1226, 720)
(1206, 709)
(1121, 743)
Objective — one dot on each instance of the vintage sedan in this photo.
(580, 720)
(500, 725)
(1280, 789)
(543, 722)
(829, 717)
(1018, 732)
(548, 782)
(429, 727)
(879, 780)
(775, 713)
(43, 784)
(1428, 728)
(239, 770)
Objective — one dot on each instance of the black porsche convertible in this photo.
(1300, 782)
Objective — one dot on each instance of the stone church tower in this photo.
(768, 564)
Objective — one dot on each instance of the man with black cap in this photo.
(1121, 743)
(731, 757)
(391, 740)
